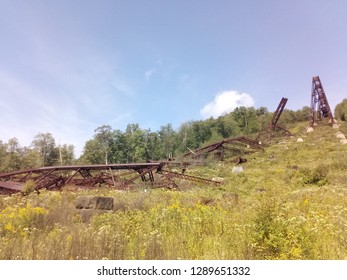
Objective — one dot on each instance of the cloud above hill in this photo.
(225, 102)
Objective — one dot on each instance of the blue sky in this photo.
(68, 67)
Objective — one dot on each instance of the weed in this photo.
(289, 203)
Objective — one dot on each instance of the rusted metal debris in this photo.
(319, 103)
(240, 144)
(172, 174)
(119, 176)
(273, 125)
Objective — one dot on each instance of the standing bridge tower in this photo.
(319, 104)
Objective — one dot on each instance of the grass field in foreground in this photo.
(291, 204)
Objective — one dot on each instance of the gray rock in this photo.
(340, 135)
(104, 203)
(237, 169)
(85, 202)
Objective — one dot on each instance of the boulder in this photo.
(340, 135)
(300, 140)
(237, 169)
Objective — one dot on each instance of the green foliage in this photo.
(341, 110)
(136, 144)
(317, 175)
(103, 136)
(44, 144)
(289, 203)
(29, 187)
(20, 221)
(92, 153)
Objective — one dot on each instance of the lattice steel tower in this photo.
(319, 103)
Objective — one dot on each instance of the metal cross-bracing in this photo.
(172, 174)
(278, 113)
(241, 143)
(319, 103)
(119, 176)
(273, 125)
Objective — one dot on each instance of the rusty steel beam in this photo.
(51, 176)
(278, 113)
(197, 179)
(273, 123)
(56, 177)
(242, 140)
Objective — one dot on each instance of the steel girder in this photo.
(120, 176)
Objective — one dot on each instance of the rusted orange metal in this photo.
(239, 143)
(319, 103)
(56, 177)
(273, 125)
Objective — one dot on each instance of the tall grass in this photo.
(289, 203)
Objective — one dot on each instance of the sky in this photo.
(68, 67)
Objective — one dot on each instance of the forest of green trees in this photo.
(136, 144)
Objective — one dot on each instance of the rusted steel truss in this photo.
(120, 176)
(273, 125)
(278, 113)
(172, 174)
(240, 144)
(237, 143)
(319, 103)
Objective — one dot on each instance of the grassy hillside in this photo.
(289, 203)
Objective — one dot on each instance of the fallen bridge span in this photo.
(119, 176)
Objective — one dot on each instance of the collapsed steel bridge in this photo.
(241, 144)
(273, 125)
(119, 176)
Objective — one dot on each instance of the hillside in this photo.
(288, 203)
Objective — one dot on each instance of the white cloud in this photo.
(149, 73)
(225, 102)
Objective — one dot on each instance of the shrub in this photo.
(29, 187)
(21, 220)
(316, 176)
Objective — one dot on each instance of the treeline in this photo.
(138, 145)
(135, 144)
(43, 151)
(341, 111)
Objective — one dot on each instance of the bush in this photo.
(316, 176)
(29, 187)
